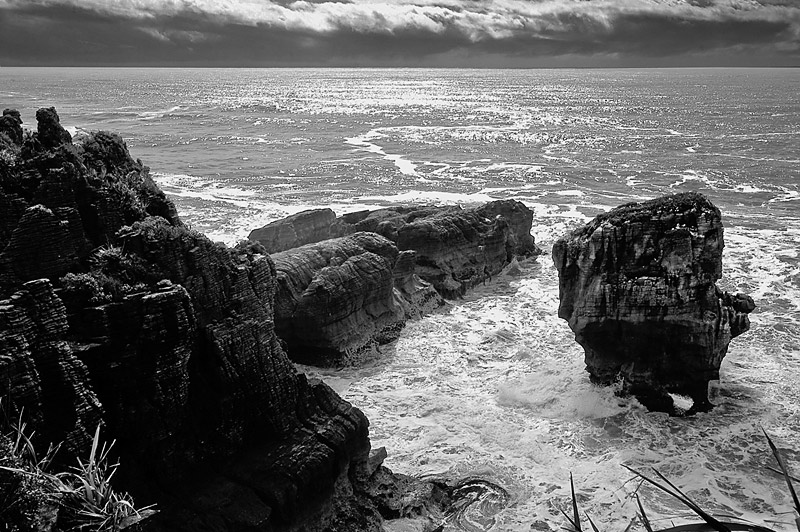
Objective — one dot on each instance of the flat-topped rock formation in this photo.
(339, 297)
(456, 248)
(111, 310)
(637, 286)
(306, 227)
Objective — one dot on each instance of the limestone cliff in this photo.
(112, 310)
(637, 287)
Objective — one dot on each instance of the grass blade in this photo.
(784, 470)
(575, 505)
(778, 471)
(678, 494)
(716, 524)
(643, 515)
(594, 527)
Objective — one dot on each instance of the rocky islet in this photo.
(637, 286)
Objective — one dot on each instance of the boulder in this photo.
(637, 287)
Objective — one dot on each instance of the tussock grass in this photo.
(708, 522)
(81, 498)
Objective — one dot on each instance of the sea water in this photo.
(494, 387)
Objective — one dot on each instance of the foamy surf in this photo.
(496, 386)
(504, 398)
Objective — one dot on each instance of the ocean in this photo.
(495, 388)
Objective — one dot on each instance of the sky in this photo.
(409, 33)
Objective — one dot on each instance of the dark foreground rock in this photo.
(112, 311)
(637, 286)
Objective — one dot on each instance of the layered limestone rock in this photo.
(637, 286)
(39, 371)
(340, 297)
(455, 249)
(336, 299)
(167, 338)
(306, 227)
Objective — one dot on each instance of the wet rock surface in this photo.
(455, 249)
(637, 285)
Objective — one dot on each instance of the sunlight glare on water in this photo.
(494, 387)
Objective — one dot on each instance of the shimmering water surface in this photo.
(495, 388)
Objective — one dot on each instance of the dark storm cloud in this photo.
(385, 32)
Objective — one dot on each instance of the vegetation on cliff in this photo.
(113, 312)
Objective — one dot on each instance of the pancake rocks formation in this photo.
(637, 287)
(338, 298)
(113, 312)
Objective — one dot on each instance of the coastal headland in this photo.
(113, 312)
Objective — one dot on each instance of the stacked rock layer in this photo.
(113, 312)
(637, 286)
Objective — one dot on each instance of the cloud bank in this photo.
(515, 33)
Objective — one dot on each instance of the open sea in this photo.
(495, 387)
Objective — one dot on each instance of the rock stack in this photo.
(637, 286)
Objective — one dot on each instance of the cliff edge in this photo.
(113, 312)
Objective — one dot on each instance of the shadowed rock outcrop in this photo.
(337, 299)
(112, 310)
(50, 131)
(11, 126)
(637, 286)
(340, 297)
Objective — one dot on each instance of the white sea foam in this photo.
(429, 197)
(496, 386)
(152, 115)
(363, 141)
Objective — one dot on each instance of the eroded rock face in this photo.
(51, 133)
(336, 299)
(340, 297)
(11, 126)
(455, 249)
(39, 371)
(637, 286)
(299, 229)
(170, 340)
